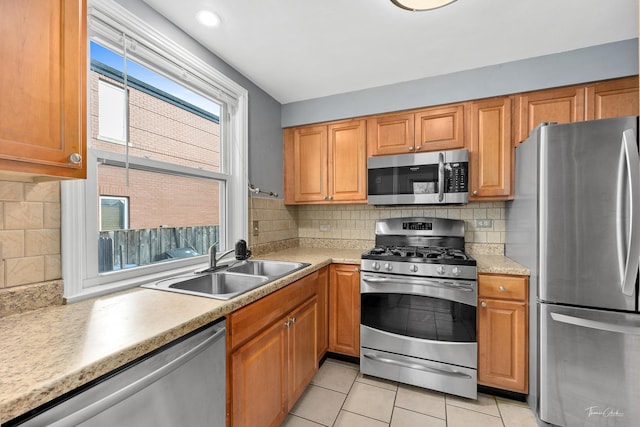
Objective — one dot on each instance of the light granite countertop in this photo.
(50, 351)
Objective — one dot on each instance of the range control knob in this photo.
(388, 267)
(375, 265)
(413, 268)
(440, 270)
(456, 271)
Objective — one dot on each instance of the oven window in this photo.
(419, 317)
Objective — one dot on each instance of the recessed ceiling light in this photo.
(208, 18)
(417, 5)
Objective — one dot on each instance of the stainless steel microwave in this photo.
(419, 178)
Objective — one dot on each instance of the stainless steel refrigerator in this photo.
(575, 222)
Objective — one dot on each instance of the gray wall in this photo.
(265, 133)
(601, 62)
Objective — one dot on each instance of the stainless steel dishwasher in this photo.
(182, 385)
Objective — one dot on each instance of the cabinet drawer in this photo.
(502, 287)
(248, 321)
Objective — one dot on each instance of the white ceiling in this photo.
(303, 49)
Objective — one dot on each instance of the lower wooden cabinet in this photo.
(503, 332)
(344, 309)
(272, 354)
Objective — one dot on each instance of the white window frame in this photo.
(80, 206)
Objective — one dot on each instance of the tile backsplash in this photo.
(352, 226)
(29, 233)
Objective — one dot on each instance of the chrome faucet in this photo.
(213, 259)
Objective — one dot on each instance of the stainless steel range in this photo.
(419, 293)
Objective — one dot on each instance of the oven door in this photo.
(420, 331)
(428, 318)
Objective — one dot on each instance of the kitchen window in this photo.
(166, 161)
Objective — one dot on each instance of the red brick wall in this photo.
(168, 133)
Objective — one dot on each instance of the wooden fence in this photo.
(130, 248)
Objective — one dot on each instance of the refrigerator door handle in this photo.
(629, 256)
(631, 328)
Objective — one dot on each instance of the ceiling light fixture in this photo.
(208, 18)
(418, 5)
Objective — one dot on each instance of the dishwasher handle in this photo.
(98, 406)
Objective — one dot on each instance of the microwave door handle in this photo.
(440, 177)
(628, 250)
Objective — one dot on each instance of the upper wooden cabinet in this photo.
(390, 134)
(43, 86)
(429, 129)
(601, 100)
(440, 128)
(612, 98)
(326, 163)
(563, 105)
(491, 152)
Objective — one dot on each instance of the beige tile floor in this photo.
(340, 396)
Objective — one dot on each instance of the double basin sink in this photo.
(230, 281)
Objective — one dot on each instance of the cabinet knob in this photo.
(356, 269)
(418, 148)
(324, 198)
(75, 158)
(410, 148)
(293, 320)
(501, 288)
(330, 197)
(483, 304)
(475, 192)
(287, 323)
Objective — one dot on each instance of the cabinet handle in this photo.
(501, 288)
(410, 148)
(483, 304)
(475, 192)
(75, 158)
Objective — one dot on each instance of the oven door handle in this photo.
(418, 366)
(448, 285)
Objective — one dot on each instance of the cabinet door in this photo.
(43, 86)
(306, 164)
(502, 345)
(323, 312)
(258, 379)
(390, 134)
(613, 98)
(563, 105)
(440, 128)
(348, 161)
(344, 309)
(303, 353)
(491, 152)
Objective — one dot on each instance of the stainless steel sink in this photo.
(267, 268)
(235, 280)
(218, 285)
